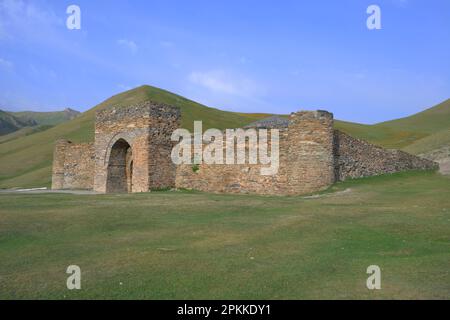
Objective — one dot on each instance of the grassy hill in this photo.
(26, 161)
(46, 118)
(404, 132)
(9, 123)
(429, 143)
(25, 131)
(18, 124)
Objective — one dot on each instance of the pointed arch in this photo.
(119, 169)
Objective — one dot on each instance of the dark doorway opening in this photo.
(120, 168)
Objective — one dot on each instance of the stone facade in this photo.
(355, 158)
(132, 148)
(73, 165)
(237, 178)
(132, 153)
(306, 162)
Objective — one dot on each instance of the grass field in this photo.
(191, 245)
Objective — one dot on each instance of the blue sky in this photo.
(248, 56)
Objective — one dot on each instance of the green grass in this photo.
(10, 123)
(192, 245)
(430, 143)
(26, 131)
(401, 133)
(51, 118)
(18, 124)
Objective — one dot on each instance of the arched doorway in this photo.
(120, 168)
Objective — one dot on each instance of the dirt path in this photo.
(45, 190)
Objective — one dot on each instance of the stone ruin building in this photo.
(132, 148)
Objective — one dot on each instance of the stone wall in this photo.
(305, 163)
(73, 165)
(310, 162)
(355, 158)
(146, 128)
(132, 153)
(237, 178)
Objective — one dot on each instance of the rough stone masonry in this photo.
(132, 153)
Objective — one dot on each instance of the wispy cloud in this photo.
(227, 89)
(128, 44)
(24, 18)
(223, 82)
(213, 80)
(167, 44)
(6, 64)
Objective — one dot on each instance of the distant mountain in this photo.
(14, 121)
(47, 118)
(9, 123)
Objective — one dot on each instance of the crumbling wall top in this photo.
(317, 114)
(145, 109)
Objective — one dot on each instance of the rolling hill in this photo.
(9, 123)
(25, 131)
(426, 134)
(430, 143)
(26, 161)
(46, 118)
(402, 133)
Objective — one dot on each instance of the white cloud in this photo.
(19, 18)
(244, 60)
(167, 44)
(219, 81)
(129, 44)
(213, 80)
(226, 90)
(6, 64)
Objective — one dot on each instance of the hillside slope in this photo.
(25, 131)
(401, 133)
(26, 161)
(10, 123)
(14, 125)
(435, 147)
(430, 143)
(46, 118)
